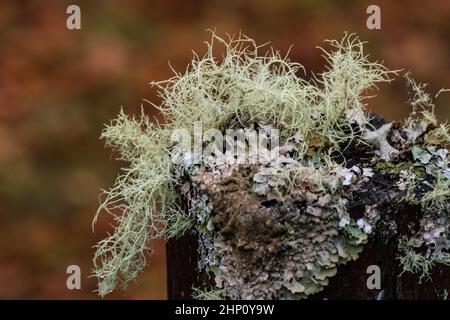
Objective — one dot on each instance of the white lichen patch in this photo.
(378, 138)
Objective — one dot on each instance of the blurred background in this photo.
(58, 87)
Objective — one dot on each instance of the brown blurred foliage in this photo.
(58, 88)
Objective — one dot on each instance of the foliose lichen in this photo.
(279, 228)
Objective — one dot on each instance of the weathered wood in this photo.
(351, 278)
(182, 268)
(349, 283)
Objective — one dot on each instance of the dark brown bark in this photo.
(349, 283)
(182, 268)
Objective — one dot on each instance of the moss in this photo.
(397, 168)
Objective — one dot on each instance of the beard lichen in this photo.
(277, 229)
(143, 202)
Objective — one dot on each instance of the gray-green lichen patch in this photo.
(275, 231)
(279, 228)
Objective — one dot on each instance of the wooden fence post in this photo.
(349, 283)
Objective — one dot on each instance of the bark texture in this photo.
(379, 202)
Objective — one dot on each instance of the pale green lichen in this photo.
(420, 264)
(429, 246)
(243, 87)
(438, 199)
(247, 87)
(213, 294)
(142, 202)
(284, 228)
(423, 112)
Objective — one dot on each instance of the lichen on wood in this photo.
(279, 228)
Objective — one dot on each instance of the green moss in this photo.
(397, 168)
